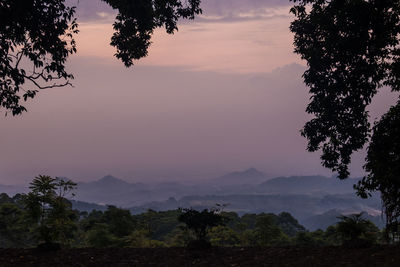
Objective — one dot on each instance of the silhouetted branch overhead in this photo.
(41, 34)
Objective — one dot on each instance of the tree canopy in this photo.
(383, 167)
(49, 210)
(352, 50)
(45, 214)
(201, 222)
(37, 37)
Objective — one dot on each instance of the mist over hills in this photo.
(315, 201)
(249, 176)
(112, 190)
(311, 199)
(307, 185)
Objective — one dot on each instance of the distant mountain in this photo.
(250, 177)
(309, 198)
(110, 180)
(85, 206)
(12, 190)
(111, 190)
(114, 191)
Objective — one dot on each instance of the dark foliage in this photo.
(37, 37)
(116, 227)
(137, 20)
(201, 222)
(48, 210)
(12, 225)
(355, 231)
(289, 225)
(352, 49)
(120, 221)
(383, 167)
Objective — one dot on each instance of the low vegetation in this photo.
(45, 216)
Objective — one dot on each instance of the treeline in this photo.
(117, 227)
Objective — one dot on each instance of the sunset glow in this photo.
(223, 93)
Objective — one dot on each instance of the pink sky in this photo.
(250, 46)
(224, 93)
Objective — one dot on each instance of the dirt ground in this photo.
(177, 257)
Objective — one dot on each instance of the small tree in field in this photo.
(50, 212)
(201, 222)
(354, 230)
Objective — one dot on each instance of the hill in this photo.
(250, 176)
(306, 208)
(307, 185)
(308, 198)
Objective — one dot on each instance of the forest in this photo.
(45, 216)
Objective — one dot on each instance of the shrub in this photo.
(201, 222)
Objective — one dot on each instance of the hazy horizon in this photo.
(178, 178)
(222, 94)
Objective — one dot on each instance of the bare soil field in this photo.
(180, 257)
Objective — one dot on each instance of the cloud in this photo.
(213, 10)
(230, 36)
(92, 10)
(250, 46)
(242, 10)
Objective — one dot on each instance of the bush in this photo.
(201, 223)
(356, 231)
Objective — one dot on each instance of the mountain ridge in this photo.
(248, 176)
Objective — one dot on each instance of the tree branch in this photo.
(48, 86)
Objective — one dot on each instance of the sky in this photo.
(222, 94)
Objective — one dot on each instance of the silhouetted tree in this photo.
(37, 37)
(13, 228)
(137, 20)
(354, 230)
(352, 49)
(120, 222)
(267, 232)
(383, 167)
(201, 222)
(49, 210)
